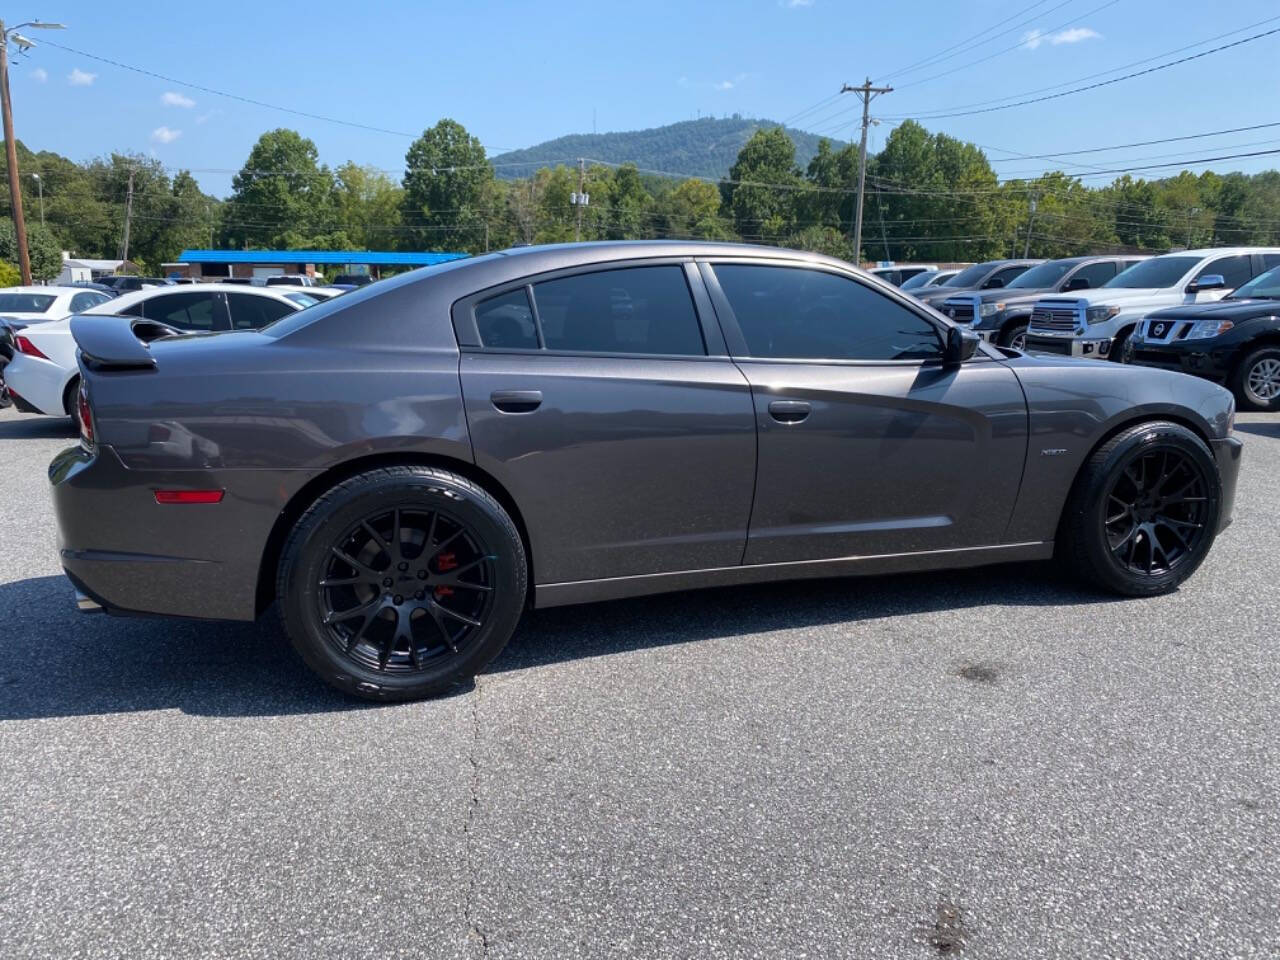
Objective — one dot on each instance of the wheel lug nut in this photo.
(421, 595)
(397, 600)
(403, 565)
(387, 582)
(422, 574)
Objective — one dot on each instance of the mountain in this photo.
(703, 148)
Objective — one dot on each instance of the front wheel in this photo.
(1256, 382)
(1015, 337)
(1144, 511)
(402, 582)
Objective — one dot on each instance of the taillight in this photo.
(84, 415)
(26, 346)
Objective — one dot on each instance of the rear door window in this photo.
(506, 321)
(1096, 273)
(1005, 276)
(186, 311)
(632, 310)
(253, 313)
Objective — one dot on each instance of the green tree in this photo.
(629, 206)
(281, 189)
(761, 193)
(368, 206)
(692, 209)
(42, 248)
(447, 187)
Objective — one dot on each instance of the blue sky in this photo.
(517, 74)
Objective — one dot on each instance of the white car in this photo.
(1098, 322)
(44, 374)
(41, 304)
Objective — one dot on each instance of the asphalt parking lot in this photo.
(989, 763)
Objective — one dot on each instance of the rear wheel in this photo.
(1119, 352)
(1144, 510)
(69, 396)
(1256, 382)
(402, 582)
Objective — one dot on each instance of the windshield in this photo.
(1154, 274)
(301, 299)
(970, 276)
(24, 302)
(1265, 286)
(919, 280)
(1041, 277)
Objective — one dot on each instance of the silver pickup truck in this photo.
(1096, 323)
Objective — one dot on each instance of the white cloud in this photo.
(724, 85)
(165, 135)
(1034, 39)
(205, 117)
(40, 74)
(793, 4)
(78, 78)
(171, 99)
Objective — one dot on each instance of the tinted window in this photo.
(83, 301)
(969, 276)
(1264, 285)
(1235, 270)
(920, 280)
(506, 321)
(1041, 277)
(1270, 260)
(1005, 277)
(190, 311)
(636, 310)
(807, 314)
(1155, 274)
(1096, 273)
(24, 302)
(253, 313)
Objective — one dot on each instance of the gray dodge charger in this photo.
(405, 469)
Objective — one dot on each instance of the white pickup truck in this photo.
(1096, 323)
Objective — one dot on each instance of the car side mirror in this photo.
(1076, 283)
(1210, 281)
(962, 343)
(993, 283)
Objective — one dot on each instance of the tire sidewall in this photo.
(1242, 392)
(305, 558)
(1011, 334)
(1138, 441)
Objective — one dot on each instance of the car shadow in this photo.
(1259, 428)
(34, 427)
(56, 662)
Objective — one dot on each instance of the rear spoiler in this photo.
(117, 343)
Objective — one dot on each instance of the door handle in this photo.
(516, 401)
(788, 411)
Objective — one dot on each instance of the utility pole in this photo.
(11, 155)
(580, 198)
(128, 214)
(866, 93)
(1031, 222)
(1190, 214)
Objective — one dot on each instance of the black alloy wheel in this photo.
(403, 587)
(1144, 510)
(1156, 511)
(402, 582)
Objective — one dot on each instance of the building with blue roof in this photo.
(248, 264)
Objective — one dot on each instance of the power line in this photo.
(1125, 146)
(1094, 86)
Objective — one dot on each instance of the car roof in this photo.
(138, 296)
(36, 289)
(1219, 251)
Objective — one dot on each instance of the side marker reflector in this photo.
(189, 496)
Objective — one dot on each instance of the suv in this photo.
(290, 280)
(1002, 315)
(991, 275)
(1098, 322)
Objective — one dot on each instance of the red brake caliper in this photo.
(444, 563)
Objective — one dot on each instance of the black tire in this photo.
(69, 396)
(1248, 384)
(1011, 333)
(1102, 544)
(397, 583)
(1119, 345)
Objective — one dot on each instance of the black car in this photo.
(352, 279)
(991, 275)
(403, 470)
(124, 283)
(1001, 315)
(1234, 341)
(99, 287)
